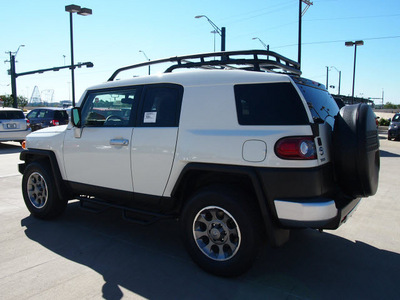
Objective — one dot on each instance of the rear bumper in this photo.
(306, 197)
(19, 135)
(393, 133)
(318, 213)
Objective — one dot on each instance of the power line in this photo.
(340, 41)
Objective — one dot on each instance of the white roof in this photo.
(199, 77)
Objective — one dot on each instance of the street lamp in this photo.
(148, 59)
(265, 46)
(83, 12)
(355, 44)
(221, 32)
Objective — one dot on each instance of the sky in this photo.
(118, 30)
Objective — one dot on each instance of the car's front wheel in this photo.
(40, 193)
(221, 230)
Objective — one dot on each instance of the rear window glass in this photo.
(61, 115)
(321, 103)
(269, 104)
(10, 115)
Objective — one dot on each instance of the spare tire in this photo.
(356, 150)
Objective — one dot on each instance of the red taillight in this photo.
(296, 148)
(54, 122)
(28, 123)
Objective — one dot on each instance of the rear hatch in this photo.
(12, 120)
(323, 109)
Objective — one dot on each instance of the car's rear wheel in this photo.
(221, 230)
(39, 192)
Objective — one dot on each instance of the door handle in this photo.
(119, 142)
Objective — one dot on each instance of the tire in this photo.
(40, 193)
(356, 150)
(221, 230)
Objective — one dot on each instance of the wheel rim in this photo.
(37, 190)
(216, 233)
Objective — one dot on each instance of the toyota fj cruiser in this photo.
(239, 150)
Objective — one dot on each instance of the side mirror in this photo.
(76, 117)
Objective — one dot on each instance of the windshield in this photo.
(396, 118)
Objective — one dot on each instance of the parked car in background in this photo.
(45, 117)
(394, 128)
(13, 125)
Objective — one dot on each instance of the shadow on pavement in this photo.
(151, 261)
(8, 148)
(388, 154)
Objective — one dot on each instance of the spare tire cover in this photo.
(356, 150)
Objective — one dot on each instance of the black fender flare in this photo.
(276, 236)
(38, 154)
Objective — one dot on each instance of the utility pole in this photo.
(301, 14)
(14, 76)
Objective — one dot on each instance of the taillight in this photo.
(54, 122)
(28, 123)
(296, 148)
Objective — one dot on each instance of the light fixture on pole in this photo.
(148, 59)
(221, 32)
(83, 12)
(355, 44)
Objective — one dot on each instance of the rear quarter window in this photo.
(321, 103)
(269, 104)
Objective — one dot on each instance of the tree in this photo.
(8, 101)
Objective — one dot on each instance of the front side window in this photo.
(111, 108)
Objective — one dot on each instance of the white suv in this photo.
(13, 125)
(236, 151)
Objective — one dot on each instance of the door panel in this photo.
(96, 159)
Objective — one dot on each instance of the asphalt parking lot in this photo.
(93, 256)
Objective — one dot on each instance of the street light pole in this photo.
(148, 59)
(221, 32)
(355, 44)
(262, 43)
(340, 78)
(83, 12)
(327, 78)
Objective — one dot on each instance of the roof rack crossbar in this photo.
(273, 62)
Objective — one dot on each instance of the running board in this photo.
(133, 215)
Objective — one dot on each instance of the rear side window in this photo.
(11, 115)
(269, 104)
(161, 106)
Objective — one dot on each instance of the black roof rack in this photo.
(252, 60)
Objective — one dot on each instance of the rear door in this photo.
(154, 139)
